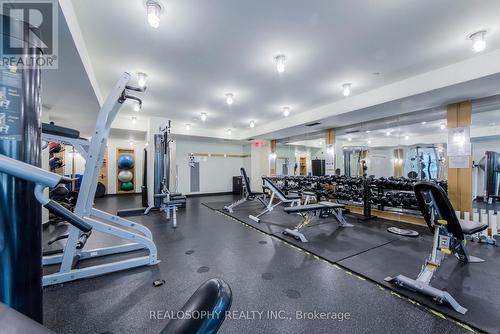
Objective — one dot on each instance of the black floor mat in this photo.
(370, 251)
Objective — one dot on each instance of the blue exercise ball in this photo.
(125, 161)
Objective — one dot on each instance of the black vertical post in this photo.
(367, 206)
(20, 214)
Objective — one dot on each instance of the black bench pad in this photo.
(312, 207)
(471, 227)
(57, 130)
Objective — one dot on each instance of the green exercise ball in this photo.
(127, 186)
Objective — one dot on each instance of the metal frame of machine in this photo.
(140, 237)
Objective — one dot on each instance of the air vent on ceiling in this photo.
(251, 139)
(353, 131)
(313, 124)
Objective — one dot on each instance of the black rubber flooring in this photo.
(370, 251)
(265, 274)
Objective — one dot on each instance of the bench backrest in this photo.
(247, 181)
(274, 189)
(432, 196)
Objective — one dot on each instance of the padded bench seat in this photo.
(314, 207)
(470, 227)
(57, 130)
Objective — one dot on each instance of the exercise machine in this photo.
(139, 236)
(246, 195)
(164, 200)
(449, 238)
(309, 211)
(276, 193)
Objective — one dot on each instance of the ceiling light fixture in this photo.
(423, 123)
(349, 138)
(388, 133)
(134, 120)
(367, 131)
(203, 116)
(407, 137)
(280, 63)
(369, 142)
(346, 89)
(141, 79)
(131, 143)
(442, 126)
(228, 132)
(137, 107)
(252, 124)
(478, 41)
(188, 126)
(286, 111)
(229, 98)
(153, 10)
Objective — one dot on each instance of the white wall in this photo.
(216, 173)
(380, 162)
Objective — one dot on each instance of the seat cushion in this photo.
(471, 227)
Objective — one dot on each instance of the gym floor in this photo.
(265, 274)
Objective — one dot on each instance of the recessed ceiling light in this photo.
(188, 126)
(286, 111)
(134, 120)
(423, 123)
(280, 63)
(388, 133)
(137, 107)
(442, 126)
(131, 143)
(349, 138)
(228, 132)
(407, 137)
(346, 89)
(229, 98)
(367, 131)
(478, 41)
(154, 10)
(141, 79)
(252, 124)
(320, 143)
(369, 141)
(203, 116)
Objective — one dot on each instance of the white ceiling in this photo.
(203, 49)
(67, 95)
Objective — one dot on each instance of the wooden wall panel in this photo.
(460, 179)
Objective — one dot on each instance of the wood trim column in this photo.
(460, 179)
(272, 161)
(330, 152)
(398, 162)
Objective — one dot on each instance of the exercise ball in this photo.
(125, 176)
(127, 186)
(125, 161)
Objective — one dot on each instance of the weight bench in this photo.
(247, 195)
(307, 212)
(275, 193)
(449, 238)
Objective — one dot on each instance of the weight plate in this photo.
(403, 232)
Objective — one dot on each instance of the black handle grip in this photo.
(67, 215)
